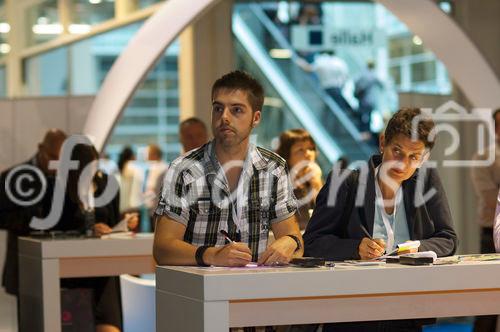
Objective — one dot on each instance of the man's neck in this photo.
(227, 154)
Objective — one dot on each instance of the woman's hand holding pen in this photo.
(232, 254)
(371, 248)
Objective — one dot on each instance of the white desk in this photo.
(43, 262)
(214, 299)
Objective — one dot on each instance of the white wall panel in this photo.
(32, 118)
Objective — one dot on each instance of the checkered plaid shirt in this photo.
(195, 193)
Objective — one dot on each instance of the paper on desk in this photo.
(362, 262)
(249, 266)
(447, 260)
(118, 235)
(405, 246)
(479, 257)
(120, 227)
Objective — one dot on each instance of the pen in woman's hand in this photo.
(363, 228)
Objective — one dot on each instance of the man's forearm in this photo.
(174, 252)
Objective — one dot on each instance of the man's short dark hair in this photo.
(402, 123)
(240, 80)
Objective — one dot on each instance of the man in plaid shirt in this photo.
(228, 185)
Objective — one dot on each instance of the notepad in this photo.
(402, 247)
(120, 227)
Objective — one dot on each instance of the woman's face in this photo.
(302, 151)
(401, 157)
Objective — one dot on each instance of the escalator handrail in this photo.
(289, 94)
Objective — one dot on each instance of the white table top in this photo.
(225, 283)
(141, 244)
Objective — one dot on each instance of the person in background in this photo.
(299, 150)
(340, 230)
(486, 181)
(108, 166)
(131, 181)
(192, 134)
(155, 173)
(368, 90)
(82, 189)
(332, 73)
(16, 218)
(309, 14)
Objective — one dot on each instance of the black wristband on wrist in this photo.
(199, 255)
(296, 239)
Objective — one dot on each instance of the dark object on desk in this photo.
(415, 260)
(392, 260)
(308, 261)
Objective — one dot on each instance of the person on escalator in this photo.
(332, 73)
(368, 90)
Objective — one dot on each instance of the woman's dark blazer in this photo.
(334, 231)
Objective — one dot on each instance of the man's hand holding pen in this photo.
(232, 254)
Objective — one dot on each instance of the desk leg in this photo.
(39, 295)
(177, 313)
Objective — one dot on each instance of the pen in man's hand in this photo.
(226, 235)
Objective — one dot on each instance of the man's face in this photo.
(402, 156)
(232, 117)
(193, 136)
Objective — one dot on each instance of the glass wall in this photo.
(147, 3)
(152, 116)
(4, 30)
(86, 13)
(92, 58)
(42, 22)
(47, 74)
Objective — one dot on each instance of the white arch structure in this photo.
(423, 17)
(136, 60)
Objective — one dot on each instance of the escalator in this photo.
(295, 98)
